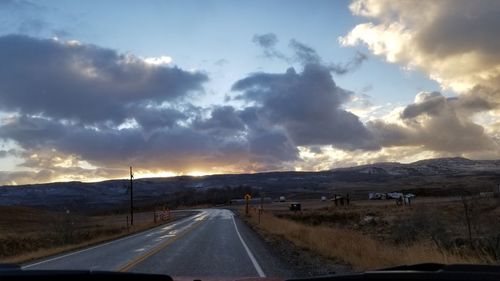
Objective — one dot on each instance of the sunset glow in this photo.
(361, 82)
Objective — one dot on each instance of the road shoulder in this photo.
(280, 257)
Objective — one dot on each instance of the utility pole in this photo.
(131, 198)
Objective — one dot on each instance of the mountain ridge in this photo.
(438, 175)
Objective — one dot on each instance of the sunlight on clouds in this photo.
(332, 158)
(161, 174)
(388, 40)
(153, 174)
(428, 35)
(73, 43)
(71, 161)
(161, 60)
(76, 177)
(197, 173)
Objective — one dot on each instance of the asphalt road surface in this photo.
(211, 243)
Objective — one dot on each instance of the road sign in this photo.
(247, 198)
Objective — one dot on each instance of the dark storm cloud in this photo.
(222, 118)
(84, 83)
(155, 118)
(85, 102)
(307, 106)
(272, 146)
(176, 149)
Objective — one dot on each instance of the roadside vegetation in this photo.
(383, 235)
(28, 233)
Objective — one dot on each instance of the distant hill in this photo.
(438, 177)
(429, 167)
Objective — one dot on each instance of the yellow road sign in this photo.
(248, 196)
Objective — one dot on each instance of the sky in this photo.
(89, 88)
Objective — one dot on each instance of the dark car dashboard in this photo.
(418, 272)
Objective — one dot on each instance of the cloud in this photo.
(221, 62)
(161, 60)
(84, 83)
(268, 43)
(176, 149)
(307, 55)
(350, 66)
(306, 105)
(454, 42)
(50, 165)
(156, 118)
(272, 146)
(24, 17)
(25, 177)
(109, 110)
(61, 33)
(268, 40)
(223, 118)
(436, 123)
(304, 54)
(70, 100)
(85, 111)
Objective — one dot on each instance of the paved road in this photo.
(211, 243)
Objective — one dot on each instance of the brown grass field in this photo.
(28, 233)
(376, 234)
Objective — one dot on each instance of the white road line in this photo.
(250, 255)
(102, 245)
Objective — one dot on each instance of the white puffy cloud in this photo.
(454, 41)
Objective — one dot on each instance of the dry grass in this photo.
(28, 234)
(34, 252)
(359, 250)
